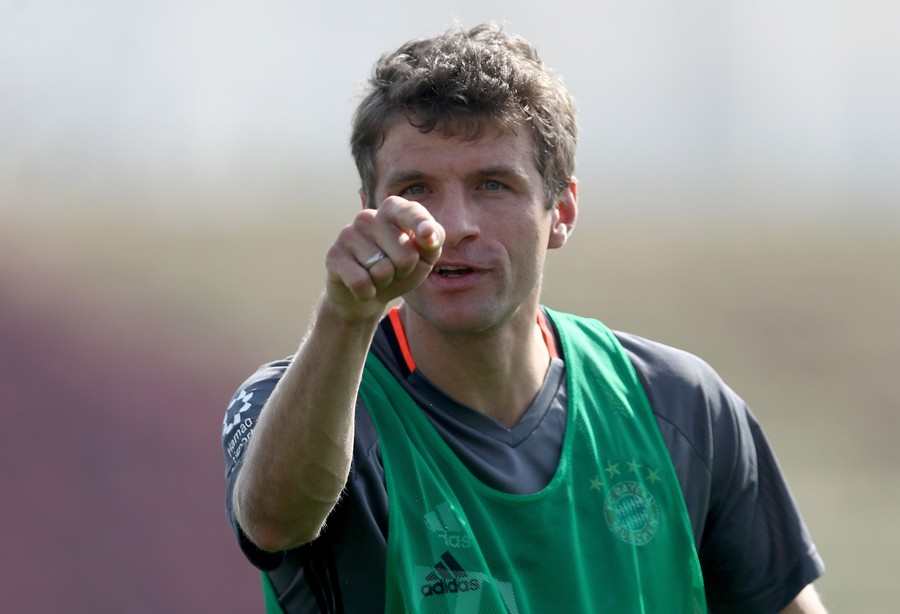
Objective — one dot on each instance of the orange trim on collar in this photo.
(397, 325)
(394, 315)
(549, 339)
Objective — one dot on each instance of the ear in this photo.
(362, 198)
(565, 211)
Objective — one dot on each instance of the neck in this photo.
(497, 373)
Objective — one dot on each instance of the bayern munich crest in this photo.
(631, 513)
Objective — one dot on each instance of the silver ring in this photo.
(368, 264)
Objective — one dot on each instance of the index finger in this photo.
(415, 220)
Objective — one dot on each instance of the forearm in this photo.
(298, 459)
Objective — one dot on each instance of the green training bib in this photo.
(609, 533)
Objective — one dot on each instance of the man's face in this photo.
(489, 197)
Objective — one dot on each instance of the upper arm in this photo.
(243, 412)
(806, 602)
(756, 550)
(237, 428)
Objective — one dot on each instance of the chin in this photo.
(465, 318)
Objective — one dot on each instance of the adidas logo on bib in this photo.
(448, 576)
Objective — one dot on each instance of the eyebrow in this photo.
(502, 171)
(401, 177)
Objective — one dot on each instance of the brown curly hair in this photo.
(461, 82)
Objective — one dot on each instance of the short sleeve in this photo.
(240, 418)
(756, 551)
(754, 548)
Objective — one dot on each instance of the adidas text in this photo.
(443, 587)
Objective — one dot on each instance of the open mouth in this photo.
(450, 271)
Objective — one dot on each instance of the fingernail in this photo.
(431, 239)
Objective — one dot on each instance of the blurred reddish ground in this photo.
(113, 477)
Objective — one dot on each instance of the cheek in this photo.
(528, 246)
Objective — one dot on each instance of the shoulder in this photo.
(682, 387)
(663, 365)
(245, 406)
(253, 393)
(686, 393)
(244, 409)
(707, 427)
(695, 409)
(266, 375)
(693, 405)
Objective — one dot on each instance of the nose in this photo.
(457, 213)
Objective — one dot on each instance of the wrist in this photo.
(338, 320)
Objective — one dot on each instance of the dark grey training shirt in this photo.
(755, 551)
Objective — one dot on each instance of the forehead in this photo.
(406, 148)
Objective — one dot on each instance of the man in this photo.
(473, 451)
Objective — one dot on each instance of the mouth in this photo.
(450, 271)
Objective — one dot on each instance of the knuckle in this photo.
(407, 261)
(347, 235)
(359, 286)
(333, 254)
(383, 280)
(366, 215)
(361, 225)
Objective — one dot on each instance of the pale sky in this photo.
(167, 104)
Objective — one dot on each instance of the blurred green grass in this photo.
(799, 316)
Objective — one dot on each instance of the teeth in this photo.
(450, 270)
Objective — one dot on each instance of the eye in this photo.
(492, 185)
(413, 190)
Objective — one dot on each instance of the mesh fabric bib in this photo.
(609, 532)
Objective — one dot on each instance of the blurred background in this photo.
(171, 174)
